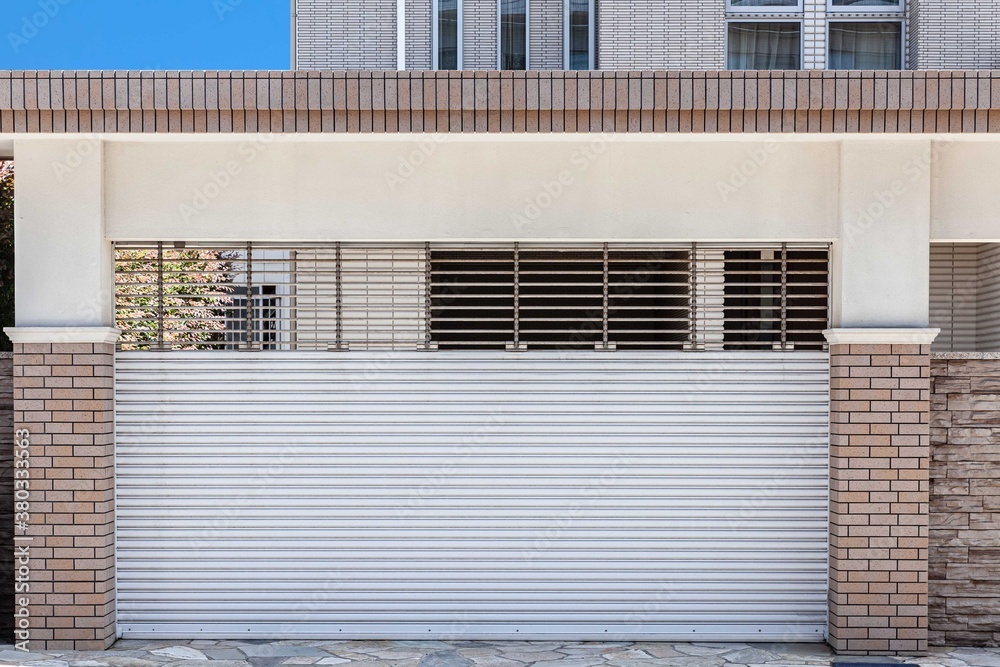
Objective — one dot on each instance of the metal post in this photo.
(784, 296)
(428, 299)
(249, 314)
(693, 310)
(829, 296)
(517, 346)
(605, 344)
(293, 301)
(400, 35)
(160, 338)
(339, 279)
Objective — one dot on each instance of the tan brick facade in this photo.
(965, 500)
(64, 398)
(879, 458)
(7, 494)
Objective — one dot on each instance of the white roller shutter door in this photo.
(578, 495)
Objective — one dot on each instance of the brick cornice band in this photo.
(376, 101)
(893, 336)
(62, 334)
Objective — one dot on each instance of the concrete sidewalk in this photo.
(262, 653)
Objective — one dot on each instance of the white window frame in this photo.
(869, 19)
(865, 10)
(591, 35)
(763, 10)
(435, 29)
(802, 39)
(527, 35)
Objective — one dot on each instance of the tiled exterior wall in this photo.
(879, 459)
(547, 33)
(345, 35)
(64, 398)
(7, 496)
(661, 34)
(706, 101)
(634, 35)
(912, 31)
(479, 34)
(814, 34)
(965, 501)
(954, 34)
(419, 34)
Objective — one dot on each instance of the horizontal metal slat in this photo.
(221, 489)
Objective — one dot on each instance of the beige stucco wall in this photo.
(965, 195)
(448, 187)
(879, 199)
(64, 274)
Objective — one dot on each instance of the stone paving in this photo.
(263, 653)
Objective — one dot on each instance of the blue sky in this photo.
(144, 34)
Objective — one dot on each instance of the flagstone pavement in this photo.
(263, 653)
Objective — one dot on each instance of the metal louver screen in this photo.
(489, 296)
(965, 296)
(566, 298)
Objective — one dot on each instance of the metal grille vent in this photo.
(490, 296)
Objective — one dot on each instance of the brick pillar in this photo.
(879, 488)
(64, 399)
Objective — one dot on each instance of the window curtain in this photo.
(447, 36)
(579, 34)
(762, 45)
(513, 34)
(764, 3)
(866, 45)
(866, 3)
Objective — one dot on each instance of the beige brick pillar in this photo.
(64, 410)
(879, 489)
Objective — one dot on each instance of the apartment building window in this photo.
(447, 34)
(764, 5)
(866, 5)
(764, 45)
(513, 34)
(866, 45)
(579, 38)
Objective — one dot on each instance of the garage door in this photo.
(478, 494)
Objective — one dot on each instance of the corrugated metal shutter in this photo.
(988, 298)
(953, 293)
(965, 296)
(473, 494)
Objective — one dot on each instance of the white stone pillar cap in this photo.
(895, 336)
(62, 334)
